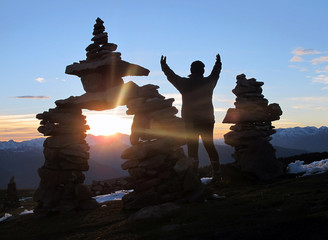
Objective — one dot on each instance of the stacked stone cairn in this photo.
(159, 170)
(11, 198)
(250, 136)
(66, 156)
(103, 68)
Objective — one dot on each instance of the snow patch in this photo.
(206, 180)
(112, 196)
(216, 196)
(26, 212)
(316, 167)
(25, 199)
(7, 215)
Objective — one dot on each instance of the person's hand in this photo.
(163, 60)
(218, 57)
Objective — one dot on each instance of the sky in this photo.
(282, 43)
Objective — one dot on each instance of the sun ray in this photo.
(108, 123)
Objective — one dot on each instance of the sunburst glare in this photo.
(107, 123)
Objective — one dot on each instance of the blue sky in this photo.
(282, 43)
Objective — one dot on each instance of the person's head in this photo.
(197, 68)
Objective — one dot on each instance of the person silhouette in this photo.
(197, 108)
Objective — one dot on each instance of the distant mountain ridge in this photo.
(24, 145)
(22, 159)
(310, 139)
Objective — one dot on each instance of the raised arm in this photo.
(171, 76)
(215, 74)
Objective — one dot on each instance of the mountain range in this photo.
(22, 159)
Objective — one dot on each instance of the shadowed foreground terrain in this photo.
(290, 208)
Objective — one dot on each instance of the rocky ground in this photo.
(289, 208)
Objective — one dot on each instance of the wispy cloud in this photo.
(32, 97)
(321, 109)
(63, 80)
(322, 70)
(314, 103)
(18, 127)
(285, 123)
(310, 107)
(303, 51)
(40, 79)
(310, 99)
(296, 58)
(302, 69)
(319, 60)
(220, 110)
(321, 79)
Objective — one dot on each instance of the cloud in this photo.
(220, 110)
(322, 70)
(32, 97)
(302, 69)
(321, 109)
(302, 51)
(40, 79)
(296, 58)
(310, 99)
(319, 60)
(310, 107)
(321, 79)
(301, 107)
(18, 127)
(313, 103)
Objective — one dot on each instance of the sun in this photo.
(107, 124)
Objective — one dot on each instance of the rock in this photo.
(156, 211)
(254, 155)
(191, 181)
(11, 199)
(51, 129)
(183, 164)
(93, 46)
(82, 192)
(88, 204)
(148, 149)
(130, 164)
(153, 162)
(150, 105)
(103, 100)
(64, 141)
(144, 185)
(109, 46)
(135, 200)
(101, 38)
(168, 112)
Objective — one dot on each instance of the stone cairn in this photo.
(160, 172)
(66, 156)
(11, 199)
(250, 136)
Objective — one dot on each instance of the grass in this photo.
(289, 208)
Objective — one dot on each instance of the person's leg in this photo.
(207, 138)
(192, 138)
